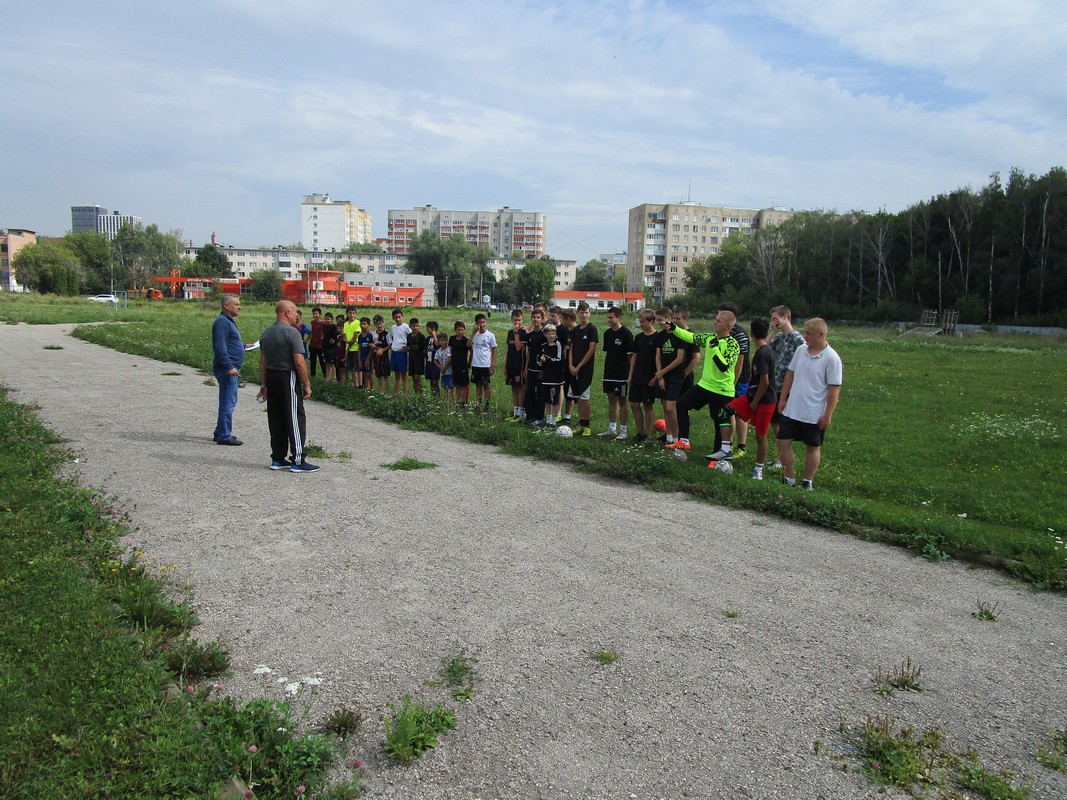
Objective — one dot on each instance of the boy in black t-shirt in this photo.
(460, 361)
(758, 403)
(618, 346)
(642, 370)
(670, 371)
(550, 356)
(513, 365)
(583, 342)
(417, 346)
(535, 407)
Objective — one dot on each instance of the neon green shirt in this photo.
(713, 378)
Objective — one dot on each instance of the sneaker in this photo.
(640, 439)
(233, 441)
(583, 431)
(785, 482)
(280, 465)
(303, 467)
(537, 423)
(679, 445)
(739, 451)
(720, 455)
(622, 437)
(607, 435)
(515, 419)
(757, 474)
(804, 484)
(777, 464)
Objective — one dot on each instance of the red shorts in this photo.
(764, 412)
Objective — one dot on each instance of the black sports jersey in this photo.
(534, 340)
(644, 348)
(582, 341)
(461, 354)
(746, 363)
(618, 345)
(513, 360)
(763, 364)
(550, 357)
(668, 347)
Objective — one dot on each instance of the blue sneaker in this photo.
(303, 467)
(280, 465)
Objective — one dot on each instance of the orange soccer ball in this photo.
(660, 425)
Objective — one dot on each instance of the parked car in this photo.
(104, 298)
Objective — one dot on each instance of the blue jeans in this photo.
(227, 403)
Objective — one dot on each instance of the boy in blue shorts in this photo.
(364, 343)
(443, 357)
(459, 361)
(432, 368)
(398, 351)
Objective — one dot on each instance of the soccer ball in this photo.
(725, 467)
(660, 425)
(564, 431)
(679, 454)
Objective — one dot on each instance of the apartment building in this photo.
(504, 231)
(94, 219)
(327, 224)
(290, 263)
(663, 239)
(11, 241)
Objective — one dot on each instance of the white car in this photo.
(104, 298)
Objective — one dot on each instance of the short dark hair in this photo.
(316, 308)
(432, 324)
(729, 306)
(478, 317)
(583, 306)
(615, 311)
(682, 311)
(459, 324)
(516, 313)
(365, 319)
(760, 327)
(413, 321)
(664, 311)
(396, 311)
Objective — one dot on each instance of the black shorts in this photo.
(381, 366)
(673, 390)
(698, 397)
(642, 393)
(460, 377)
(480, 376)
(549, 393)
(617, 388)
(808, 432)
(513, 377)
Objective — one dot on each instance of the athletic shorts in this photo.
(342, 358)
(381, 366)
(617, 388)
(433, 371)
(550, 393)
(740, 389)
(415, 367)
(461, 377)
(329, 354)
(761, 416)
(446, 381)
(698, 397)
(574, 394)
(352, 361)
(673, 391)
(808, 432)
(513, 378)
(480, 376)
(642, 393)
(398, 361)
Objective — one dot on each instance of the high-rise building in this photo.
(504, 231)
(332, 225)
(94, 219)
(664, 238)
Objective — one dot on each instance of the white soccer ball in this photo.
(564, 431)
(725, 467)
(679, 454)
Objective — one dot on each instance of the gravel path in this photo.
(373, 576)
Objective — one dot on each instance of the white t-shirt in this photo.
(398, 337)
(482, 347)
(812, 378)
(441, 356)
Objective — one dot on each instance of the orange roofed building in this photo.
(600, 301)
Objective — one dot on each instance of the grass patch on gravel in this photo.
(919, 456)
(106, 692)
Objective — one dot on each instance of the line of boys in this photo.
(551, 363)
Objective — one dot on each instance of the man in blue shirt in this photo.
(229, 356)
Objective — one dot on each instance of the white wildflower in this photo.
(291, 689)
(262, 669)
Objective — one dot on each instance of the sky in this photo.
(219, 116)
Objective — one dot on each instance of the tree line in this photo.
(996, 254)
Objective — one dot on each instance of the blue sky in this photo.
(219, 116)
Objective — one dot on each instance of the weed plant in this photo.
(106, 693)
(1053, 753)
(407, 464)
(413, 728)
(905, 678)
(918, 456)
(987, 612)
(604, 657)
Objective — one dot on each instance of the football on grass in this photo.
(564, 431)
(660, 425)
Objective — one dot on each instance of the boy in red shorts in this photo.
(757, 405)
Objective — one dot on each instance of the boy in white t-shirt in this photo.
(483, 361)
(398, 351)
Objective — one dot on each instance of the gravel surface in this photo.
(372, 577)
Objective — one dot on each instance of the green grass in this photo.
(103, 689)
(948, 447)
(413, 728)
(604, 657)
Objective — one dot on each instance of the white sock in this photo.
(622, 430)
(611, 427)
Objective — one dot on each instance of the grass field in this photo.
(951, 447)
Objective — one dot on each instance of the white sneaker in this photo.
(720, 455)
(622, 437)
(777, 464)
(606, 435)
(757, 474)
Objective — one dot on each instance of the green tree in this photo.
(346, 266)
(142, 252)
(536, 281)
(210, 262)
(592, 276)
(458, 267)
(93, 252)
(48, 266)
(266, 285)
(363, 247)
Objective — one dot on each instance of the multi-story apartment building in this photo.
(664, 238)
(11, 241)
(565, 269)
(504, 231)
(94, 219)
(327, 224)
(290, 263)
